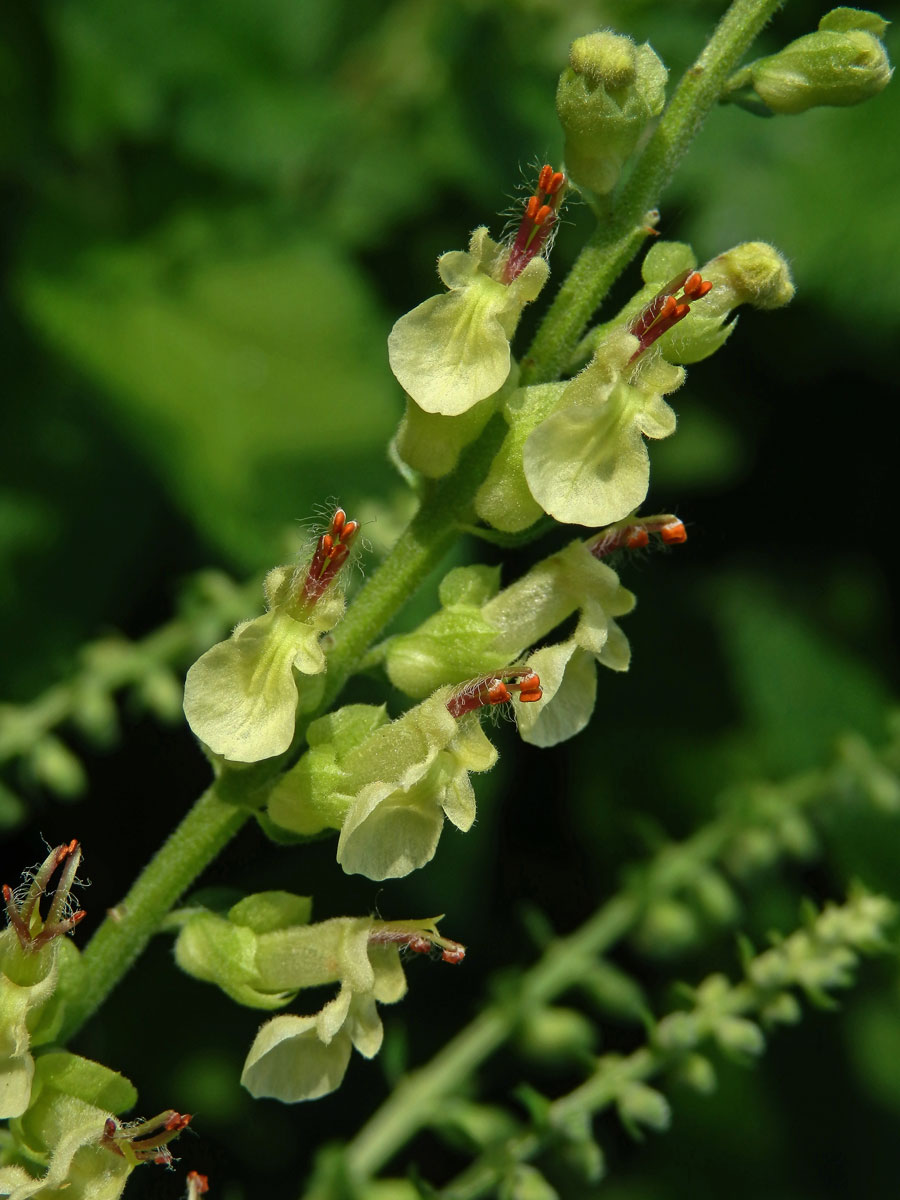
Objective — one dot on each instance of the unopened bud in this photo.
(843, 63)
(751, 273)
(606, 97)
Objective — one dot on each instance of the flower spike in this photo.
(496, 689)
(538, 220)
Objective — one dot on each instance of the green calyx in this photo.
(844, 62)
(605, 100)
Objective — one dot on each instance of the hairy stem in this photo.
(208, 827)
(617, 241)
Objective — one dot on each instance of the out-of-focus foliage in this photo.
(216, 211)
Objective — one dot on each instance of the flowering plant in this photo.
(339, 731)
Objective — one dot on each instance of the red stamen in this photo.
(178, 1121)
(420, 939)
(330, 554)
(31, 927)
(668, 307)
(634, 533)
(496, 689)
(537, 221)
(674, 533)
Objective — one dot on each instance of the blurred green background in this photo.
(214, 211)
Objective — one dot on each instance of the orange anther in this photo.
(199, 1183)
(419, 945)
(636, 538)
(542, 214)
(674, 533)
(337, 522)
(178, 1121)
(531, 208)
(349, 530)
(695, 286)
(555, 183)
(326, 544)
(545, 178)
(497, 692)
(7, 893)
(530, 681)
(454, 955)
(669, 308)
(530, 697)
(681, 310)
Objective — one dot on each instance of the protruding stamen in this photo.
(669, 306)
(496, 689)
(145, 1141)
(198, 1185)
(634, 533)
(330, 555)
(537, 221)
(421, 937)
(31, 928)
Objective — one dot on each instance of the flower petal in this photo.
(240, 697)
(389, 832)
(288, 1062)
(569, 683)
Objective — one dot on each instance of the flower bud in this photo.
(557, 1034)
(642, 1105)
(606, 97)
(738, 1036)
(843, 63)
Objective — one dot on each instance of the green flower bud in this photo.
(678, 1031)
(525, 1182)
(556, 1034)
(783, 1009)
(738, 1036)
(431, 443)
(698, 1073)
(241, 697)
(668, 928)
(452, 351)
(605, 100)
(504, 500)
(55, 766)
(639, 1104)
(843, 63)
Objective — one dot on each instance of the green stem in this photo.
(127, 929)
(617, 241)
